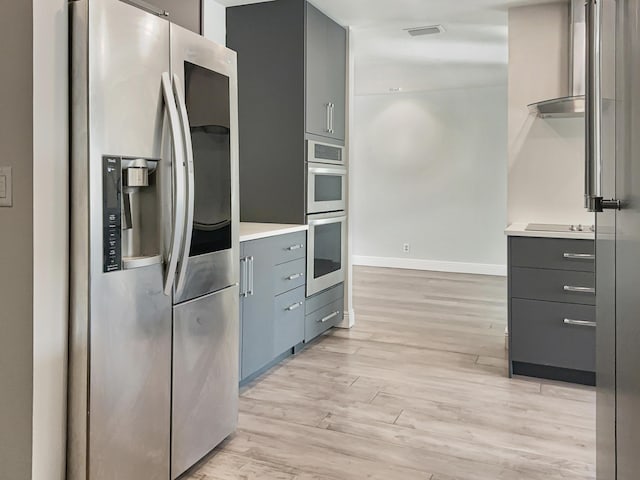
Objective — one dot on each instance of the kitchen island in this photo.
(551, 288)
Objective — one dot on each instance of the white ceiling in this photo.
(471, 53)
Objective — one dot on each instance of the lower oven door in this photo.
(327, 186)
(326, 255)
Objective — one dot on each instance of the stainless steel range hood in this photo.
(572, 105)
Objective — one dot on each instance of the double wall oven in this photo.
(326, 216)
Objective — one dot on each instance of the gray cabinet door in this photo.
(257, 308)
(337, 73)
(553, 285)
(289, 320)
(546, 333)
(317, 63)
(553, 253)
(326, 60)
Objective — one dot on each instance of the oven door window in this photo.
(327, 254)
(208, 106)
(328, 188)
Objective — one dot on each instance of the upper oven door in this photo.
(326, 190)
(318, 152)
(205, 82)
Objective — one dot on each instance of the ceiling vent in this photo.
(430, 30)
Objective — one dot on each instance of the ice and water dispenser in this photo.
(131, 206)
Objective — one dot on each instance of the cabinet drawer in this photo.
(323, 299)
(289, 320)
(553, 253)
(553, 285)
(553, 334)
(289, 247)
(290, 275)
(323, 319)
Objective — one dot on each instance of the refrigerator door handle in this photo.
(188, 150)
(178, 184)
(593, 108)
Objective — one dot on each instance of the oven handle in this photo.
(326, 221)
(326, 170)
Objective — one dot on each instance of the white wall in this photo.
(429, 169)
(546, 156)
(214, 21)
(50, 217)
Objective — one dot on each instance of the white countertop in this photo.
(519, 230)
(255, 231)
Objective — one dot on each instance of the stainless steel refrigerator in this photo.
(613, 192)
(153, 383)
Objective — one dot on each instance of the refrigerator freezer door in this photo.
(205, 376)
(627, 241)
(618, 246)
(606, 253)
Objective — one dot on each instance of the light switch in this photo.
(6, 197)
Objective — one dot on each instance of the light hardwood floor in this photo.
(417, 390)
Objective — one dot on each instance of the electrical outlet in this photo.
(406, 248)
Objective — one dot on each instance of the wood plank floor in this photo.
(417, 390)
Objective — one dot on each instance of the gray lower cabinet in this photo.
(552, 308)
(323, 311)
(272, 299)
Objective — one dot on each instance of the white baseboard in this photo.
(431, 265)
(349, 320)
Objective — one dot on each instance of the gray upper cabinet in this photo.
(291, 88)
(337, 74)
(326, 75)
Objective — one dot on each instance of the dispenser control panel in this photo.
(112, 213)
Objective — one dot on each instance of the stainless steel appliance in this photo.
(153, 382)
(326, 188)
(318, 152)
(326, 217)
(545, 227)
(572, 105)
(326, 254)
(612, 189)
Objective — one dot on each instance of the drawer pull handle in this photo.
(294, 247)
(295, 276)
(579, 256)
(590, 290)
(293, 307)
(329, 317)
(579, 323)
